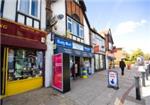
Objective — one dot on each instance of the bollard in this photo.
(1, 102)
(137, 88)
(147, 73)
(143, 79)
(149, 68)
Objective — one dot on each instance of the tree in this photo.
(138, 52)
(147, 56)
(126, 55)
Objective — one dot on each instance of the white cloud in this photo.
(128, 26)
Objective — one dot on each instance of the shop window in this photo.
(24, 64)
(29, 7)
(97, 66)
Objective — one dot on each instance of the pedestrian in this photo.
(122, 65)
(76, 70)
(73, 71)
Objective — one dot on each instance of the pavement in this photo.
(90, 91)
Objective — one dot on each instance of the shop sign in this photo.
(96, 49)
(78, 53)
(63, 42)
(68, 51)
(57, 81)
(18, 30)
(113, 79)
(87, 49)
(77, 46)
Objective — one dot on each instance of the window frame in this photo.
(75, 30)
(30, 9)
(1, 7)
(69, 21)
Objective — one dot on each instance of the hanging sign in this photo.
(113, 79)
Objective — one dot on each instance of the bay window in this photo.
(81, 31)
(69, 25)
(75, 28)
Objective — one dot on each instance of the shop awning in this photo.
(74, 52)
(21, 42)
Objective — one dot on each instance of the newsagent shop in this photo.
(69, 54)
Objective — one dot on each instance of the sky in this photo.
(129, 21)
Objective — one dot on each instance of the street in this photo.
(91, 91)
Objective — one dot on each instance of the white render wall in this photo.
(10, 9)
(43, 15)
(86, 33)
(48, 61)
(9, 12)
(58, 7)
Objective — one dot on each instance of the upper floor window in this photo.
(29, 7)
(1, 7)
(75, 28)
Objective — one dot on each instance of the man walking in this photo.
(122, 65)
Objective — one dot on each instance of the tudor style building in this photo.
(23, 46)
(72, 35)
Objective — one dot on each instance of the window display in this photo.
(96, 61)
(24, 64)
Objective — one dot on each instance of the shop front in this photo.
(79, 56)
(99, 62)
(22, 58)
(99, 58)
(110, 60)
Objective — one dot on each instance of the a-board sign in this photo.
(113, 79)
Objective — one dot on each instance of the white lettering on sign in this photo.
(77, 46)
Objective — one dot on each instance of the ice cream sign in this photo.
(113, 79)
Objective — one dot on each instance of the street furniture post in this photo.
(137, 87)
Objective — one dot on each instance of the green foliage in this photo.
(131, 58)
(135, 54)
(147, 56)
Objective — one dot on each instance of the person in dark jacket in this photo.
(122, 65)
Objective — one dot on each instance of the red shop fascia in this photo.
(17, 35)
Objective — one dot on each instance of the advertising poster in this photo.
(113, 79)
(57, 72)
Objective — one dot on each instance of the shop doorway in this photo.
(77, 66)
(3, 71)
